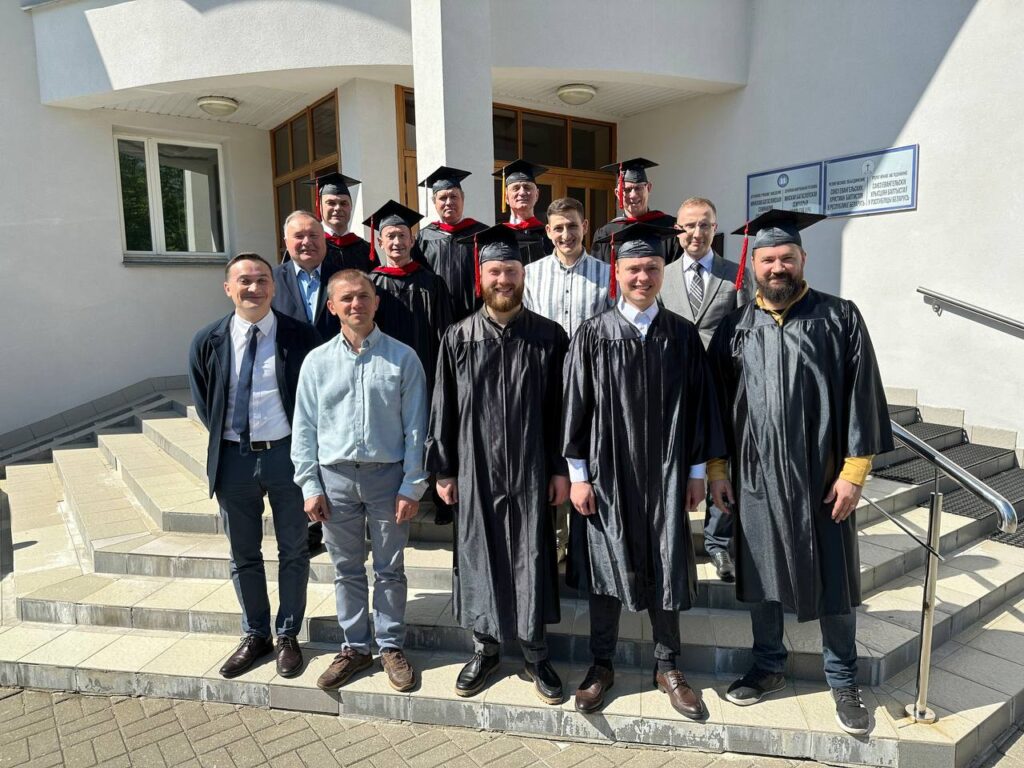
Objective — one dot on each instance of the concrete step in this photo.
(977, 690)
(938, 436)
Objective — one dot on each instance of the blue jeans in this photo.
(361, 496)
(838, 641)
(242, 480)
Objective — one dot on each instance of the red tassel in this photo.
(613, 284)
(620, 192)
(476, 267)
(316, 203)
(373, 241)
(743, 257)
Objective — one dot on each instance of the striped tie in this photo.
(696, 291)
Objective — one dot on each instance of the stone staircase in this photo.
(120, 585)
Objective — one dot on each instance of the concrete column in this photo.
(369, 145)
(451, 55)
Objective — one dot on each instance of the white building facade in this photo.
(122, 199)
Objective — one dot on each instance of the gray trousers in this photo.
(360, 497)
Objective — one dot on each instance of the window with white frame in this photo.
(172, 196)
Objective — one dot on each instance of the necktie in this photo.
(696, 291)
(243, 394)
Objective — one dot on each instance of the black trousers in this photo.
(605, 612)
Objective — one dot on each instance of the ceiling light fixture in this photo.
(576, 93)
(217, 106)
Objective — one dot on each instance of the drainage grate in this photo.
(903, 414)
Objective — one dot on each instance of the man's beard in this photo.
(502, 302)
(779, 294)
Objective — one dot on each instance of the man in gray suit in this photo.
(701, 286)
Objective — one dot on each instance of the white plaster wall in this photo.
(829, 79)
(77, 324)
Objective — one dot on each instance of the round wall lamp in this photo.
(576, 93)
(217, 106)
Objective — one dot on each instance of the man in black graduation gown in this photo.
(415, 307)
(520, 194)
(436, 243)
(640, 421)
(493, 443)
(805, 412)
(633, 195)
(333, 202)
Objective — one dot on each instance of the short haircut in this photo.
(298, 215)
(434, 192)
(246, 256)
(563, 205)
(703, 201)
(349, 276)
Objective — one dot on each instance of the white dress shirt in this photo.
(640, 319)
(267, 417)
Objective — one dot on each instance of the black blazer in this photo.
(209, 375)
(288, 299)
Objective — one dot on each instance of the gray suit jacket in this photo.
(720, 296)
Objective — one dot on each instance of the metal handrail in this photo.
(939, 302)
(1005, 510)
(919, 710)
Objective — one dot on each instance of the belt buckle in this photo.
(258, 446)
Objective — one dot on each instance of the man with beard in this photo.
(415, 307)
(441, 244)
(633, 195)
(520, 194)
(493, 443)
(805, 412)
(640, 421)
(701, 287)
(333, 202)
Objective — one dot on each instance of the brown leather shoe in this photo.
(596, 683)
(686, 701)
(289, 656)
(248, 652)
(345, 664)
(401, 675)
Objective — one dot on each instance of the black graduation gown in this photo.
(415, 308)
(533, 241)
(670, 248)
(797, 400)
(494, 425)
(453, 263)
(353, 253)
(641, 412)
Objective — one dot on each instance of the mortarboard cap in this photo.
(517, 170)
(332, 183)
(392, 214)
(634, 170)
(634, 241)
(497, 243)
(444, 178)
(778, 227)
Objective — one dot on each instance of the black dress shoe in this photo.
(289, 656)
(723, 565)
(248, 652)
(314, 535)
(473, 677)
(546, 681)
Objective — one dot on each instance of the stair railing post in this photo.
(919, 710)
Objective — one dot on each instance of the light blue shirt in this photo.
(309, 287)
(366, 406)
(640, 319)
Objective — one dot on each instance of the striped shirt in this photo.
(567, 295)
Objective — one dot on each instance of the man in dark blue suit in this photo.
(243, 372)
(300, 283)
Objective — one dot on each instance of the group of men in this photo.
(529, 381)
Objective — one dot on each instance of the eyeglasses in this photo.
(701, 226)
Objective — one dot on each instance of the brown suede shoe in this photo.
(401, 675)
(596, 683)
(686, 701)
(345, 664)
